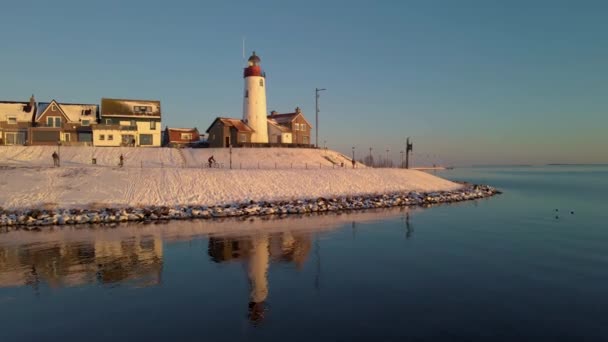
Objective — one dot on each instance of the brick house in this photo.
(294, 123)
(180, 136)
(68, 123)
(226, 131)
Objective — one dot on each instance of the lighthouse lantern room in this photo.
(254, 100)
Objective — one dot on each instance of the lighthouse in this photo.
(254, 100)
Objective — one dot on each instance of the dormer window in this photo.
(142, 109)
(12, 120)
(53, 107)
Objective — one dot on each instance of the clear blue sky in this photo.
(470, 81)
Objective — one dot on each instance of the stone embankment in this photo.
(35, 218)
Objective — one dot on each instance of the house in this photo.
(15, 120)
(67, 123)
(224, 132)
(128, 123)
(289, 128)
(180, 136)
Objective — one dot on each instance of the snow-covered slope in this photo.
(28, 180)
(269, 158)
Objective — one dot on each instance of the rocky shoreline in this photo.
(34, 218)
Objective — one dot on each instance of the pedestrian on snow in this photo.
(55, 159)
(211, 161)
(121, 160)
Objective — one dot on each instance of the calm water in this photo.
(507, 268)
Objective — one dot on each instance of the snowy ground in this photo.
(175, 177)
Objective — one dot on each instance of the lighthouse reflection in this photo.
(256, 252)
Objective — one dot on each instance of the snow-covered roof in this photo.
(236, 123)
(187, 130)
(130, 108)
(74, 111)
(280, 127)
(15, 109)
(286, 118)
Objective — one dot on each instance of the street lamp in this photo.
(387, 163)
(401, 158)
(317, 90)
(353, 157)
(230, 156)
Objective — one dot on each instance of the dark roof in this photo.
(125, 107)
(230, 122)
(254, 58)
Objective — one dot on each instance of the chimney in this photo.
(298, 110)
(273, 113)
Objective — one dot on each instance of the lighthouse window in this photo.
(246, 93)
(261, 83)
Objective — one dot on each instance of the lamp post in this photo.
(317, 90)
(325, 144)
(353, 161)
(230, 156)
(387, 163)
(371, 159)
(401, 158)
(408, 147)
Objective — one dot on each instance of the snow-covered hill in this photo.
(246, 158)
(27, 179)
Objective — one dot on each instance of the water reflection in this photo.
(257, 251)
(74, 263)
(133, 254)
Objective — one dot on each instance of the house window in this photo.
(53, 107)
(152, 125)
(110, 137)
(108, 121)
(186, 136)
(12, 120)
(133, 123)
(243, 137)
(53, 121)
(66, 137)
(86, 122)
(145, 139)
(297, 126)
(102, 137)
(261, 82)
(305, 140)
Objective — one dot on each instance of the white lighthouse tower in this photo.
(254, 100)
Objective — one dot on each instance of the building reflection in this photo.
(256, 252)
(70, 263)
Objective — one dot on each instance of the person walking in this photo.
(211, 161)
(55, 159)
(354, 163)
(121, 160)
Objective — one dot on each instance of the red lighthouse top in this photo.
(254, 68)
